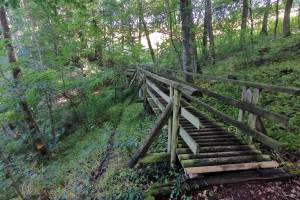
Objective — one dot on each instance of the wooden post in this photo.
(170, 123)
(175, 126)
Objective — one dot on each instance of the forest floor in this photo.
(262, 190)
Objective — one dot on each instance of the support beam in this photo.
(153, 134)
(155, 99)
(175, 126)
(192, 144)
(191, 118)
(157, 90)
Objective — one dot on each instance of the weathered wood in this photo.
(224, 160)
(170, 124)
(217, 149)
(191, 143)
(256, 135)
(155, 157)
(248, 106)
(231, 167)
(152, 104)
(267, 87)
(190, 117)
(157, 90)
(153, 134)
(155, 99)
(175, 126)
(218, 154)
(174, 83)
(133, 79)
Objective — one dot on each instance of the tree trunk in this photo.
(146, 32)
(208, 32)
(35, 133)
(170, 21)
(264, 28)
(298, 17)
(186, 28)
(245, 10)
(286, 19)
(276, 18)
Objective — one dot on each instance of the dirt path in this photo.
(268, 190)
(105, 160)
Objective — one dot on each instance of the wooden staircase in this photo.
(205, 147)
(201, 145)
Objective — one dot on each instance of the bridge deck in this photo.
(210, 148)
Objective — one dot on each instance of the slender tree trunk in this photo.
(286, 19)
(298, 17)
(35, 133)
(186, 28)
(264, 28)
(252, 22)
(208, 9)
(170, 21)
(245, 10)
(276, 18)
(205, 39)
(147, 34)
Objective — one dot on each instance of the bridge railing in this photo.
(159, 89)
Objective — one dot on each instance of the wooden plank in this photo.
(175, 126)
(246, 129)
(174, 83)
(267, 87)
(155, 109)
(192, 144)
(191, 118)
(248, 106)
(155, 157)
(170, 124)
(216, 149)
(155, 99)
(153, 134)
(224, 160)
(218, 154)
(231, 167)
(157, 90)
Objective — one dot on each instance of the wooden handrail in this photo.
(268, 87)
(257, 135)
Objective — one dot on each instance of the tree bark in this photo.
(147, 34)
(264, 28)
(286, 19)
(170, 20)
(208, 31)
(186, 29)
(276, 18)
(245, 10)
(38, 140)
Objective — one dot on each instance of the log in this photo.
(155, 131)
(256, 135)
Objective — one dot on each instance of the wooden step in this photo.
(216, 149)
(218, 154)
(231, 167)
(224, 160)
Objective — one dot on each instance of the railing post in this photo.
(170, 123)
(175, 126)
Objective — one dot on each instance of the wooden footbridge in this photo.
(198, 142)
